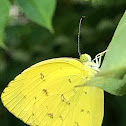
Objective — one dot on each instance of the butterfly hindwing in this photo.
(45, 95)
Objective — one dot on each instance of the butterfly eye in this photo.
(85, 58)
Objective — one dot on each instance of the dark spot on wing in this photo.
(35, 97)
(45, 91)
(76, 123)
(63, 99)
(86, 77)
(88, 112)
(82, 110)
(85, 92)
(42, 76)
(69, 80)
(61, 117)
(50, 115)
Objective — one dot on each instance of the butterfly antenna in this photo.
(79, 52)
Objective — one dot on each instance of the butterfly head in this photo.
(85, 58)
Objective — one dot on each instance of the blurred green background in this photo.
(29, 43)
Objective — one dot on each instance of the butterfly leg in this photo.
(98, 58)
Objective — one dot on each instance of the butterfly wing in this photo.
(45, 94)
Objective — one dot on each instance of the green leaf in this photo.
(4, 13)
(39, 11)
(112, 77)
(116, 56)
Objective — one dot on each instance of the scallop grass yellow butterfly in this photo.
(45, 94)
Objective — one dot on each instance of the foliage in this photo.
(4, 12)
(40, 11)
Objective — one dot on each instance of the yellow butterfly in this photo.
(45, 94)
